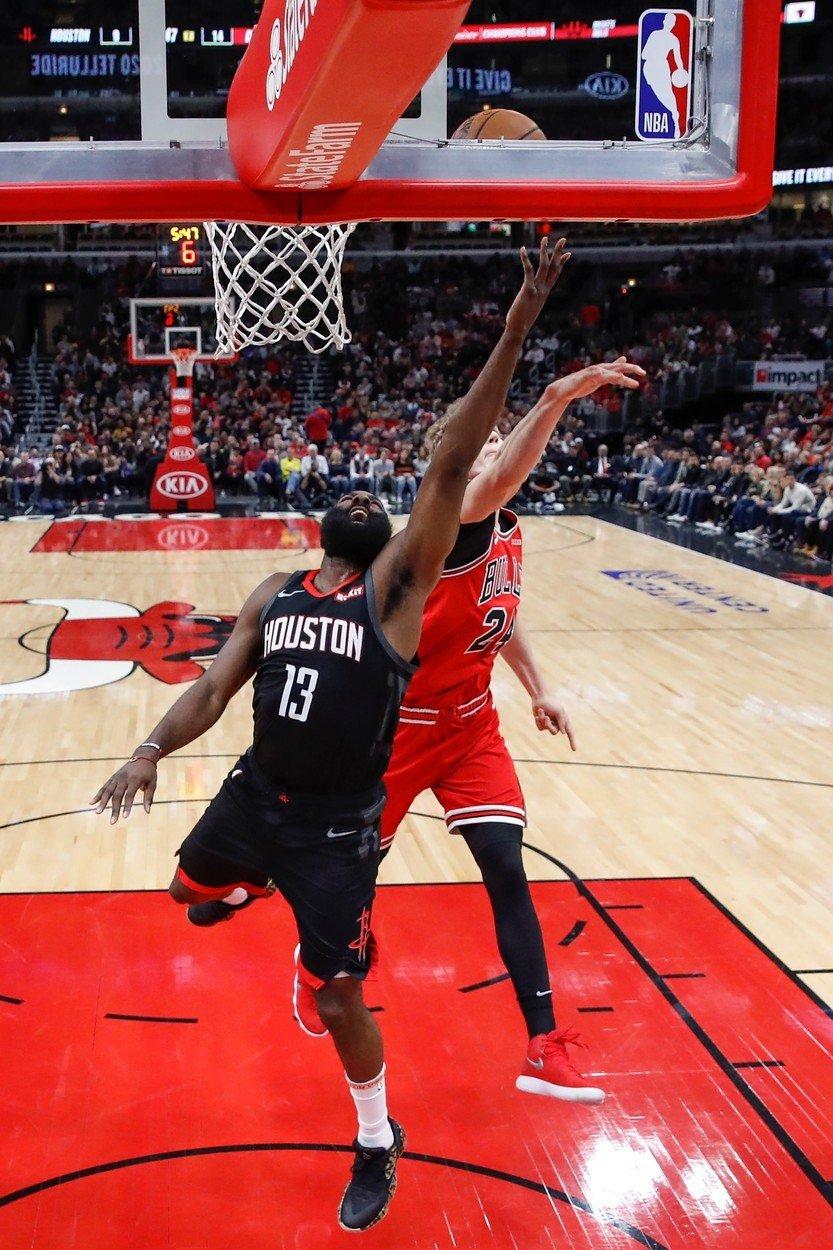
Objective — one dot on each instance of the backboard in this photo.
(159, 326)
(120, 114)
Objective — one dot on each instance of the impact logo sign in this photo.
(681, 592)
(663, 74)
(605, 85)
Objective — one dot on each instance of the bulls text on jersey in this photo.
(502, 577)
(314, 633)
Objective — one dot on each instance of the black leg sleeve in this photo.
(497, 851)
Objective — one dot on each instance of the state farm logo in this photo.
(181, 453)
(296, 18)
(181, 431)
(183, 537)
(181, 484)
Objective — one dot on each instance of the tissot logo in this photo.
(181, 484)
(181, 453)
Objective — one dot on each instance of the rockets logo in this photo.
(98, 642)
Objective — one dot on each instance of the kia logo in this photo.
(181, 484)
(177, 537)
(605, 85)
(181, 431)
(181, 410)
(181, 453)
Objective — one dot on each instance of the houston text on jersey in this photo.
(314, 633)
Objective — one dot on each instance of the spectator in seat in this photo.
(600, 469)
(291, 473)
(339, 476)
(722, 503)
(24, 474)
(405, 479)
(817, 530)
(540, 491)
(361, 469)
(648, 487)
(314, 478)
(269, 480)
(644, 464)
(50, 485)
(253, 458)
(797, 502)
(384, 474)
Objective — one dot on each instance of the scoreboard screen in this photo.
(181, 255)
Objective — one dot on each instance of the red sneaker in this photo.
(304, 1005)
(547, 1070)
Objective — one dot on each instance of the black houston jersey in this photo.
(327, 689)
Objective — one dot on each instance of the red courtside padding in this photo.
(323, 82)
(158, 1095)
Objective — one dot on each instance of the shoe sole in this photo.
(296, 985)
(566, 1093)
(207, 924)
(391, 1193)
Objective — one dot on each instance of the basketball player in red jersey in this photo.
(329, 651)
(449, 738)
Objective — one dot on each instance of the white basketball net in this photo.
(278, 282)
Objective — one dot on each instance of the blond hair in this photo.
(436, 431)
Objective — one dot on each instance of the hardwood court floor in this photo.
(701, 697)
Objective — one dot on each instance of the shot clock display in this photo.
(181, 256)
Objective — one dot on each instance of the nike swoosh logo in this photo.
(287, 594)
(536, 1063)
(331, 833)
(542, 993)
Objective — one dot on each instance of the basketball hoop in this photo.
(278, 282)
(184, 359)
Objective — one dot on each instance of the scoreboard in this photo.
(181, 255)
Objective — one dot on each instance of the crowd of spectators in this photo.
(423, 328)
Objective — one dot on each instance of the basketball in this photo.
(679, 78)
(499, 124)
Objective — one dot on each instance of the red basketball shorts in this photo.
(463, 760)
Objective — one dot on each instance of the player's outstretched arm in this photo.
(410, 566)
(525, 445)
(194, 712)
(548, 712)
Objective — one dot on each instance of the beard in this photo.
(359, 542)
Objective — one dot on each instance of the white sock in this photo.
(236, 897)
(372, 1110)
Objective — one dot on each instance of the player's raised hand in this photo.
(537, 285)
(619, 372)
(124, 785)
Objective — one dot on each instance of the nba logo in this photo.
(663, 74)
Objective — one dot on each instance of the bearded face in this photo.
(355, 529)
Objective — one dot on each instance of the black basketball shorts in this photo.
(320, 852)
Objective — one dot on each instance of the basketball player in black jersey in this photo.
(330, 651)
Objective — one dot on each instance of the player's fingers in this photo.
(150, 790)
(103, 796)
(568, 730)
(527, 264)
(118, 795)
(129, 796)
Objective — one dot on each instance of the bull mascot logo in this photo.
(98, 642)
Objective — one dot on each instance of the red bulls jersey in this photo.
(469, 616)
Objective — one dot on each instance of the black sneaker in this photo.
(204, 915)
(373, 1184)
